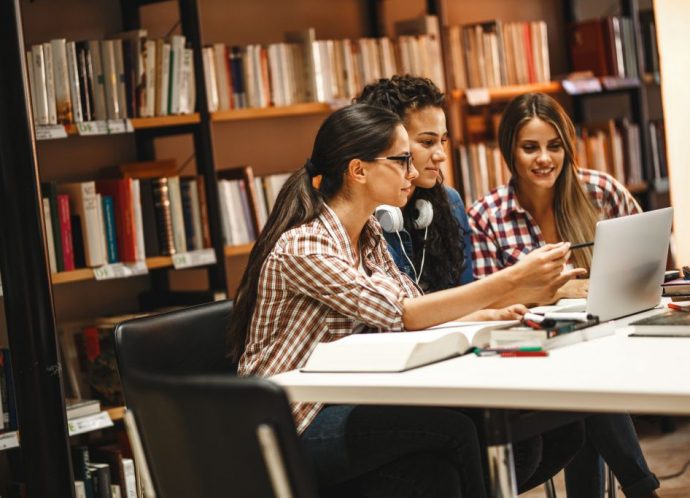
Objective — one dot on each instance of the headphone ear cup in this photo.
(390, 218)
(426, 214)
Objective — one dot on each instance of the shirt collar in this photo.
(512, 205)
(368, 239)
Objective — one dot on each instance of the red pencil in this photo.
(513, 354)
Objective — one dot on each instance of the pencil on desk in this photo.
(582, 244)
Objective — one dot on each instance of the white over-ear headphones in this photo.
(391, 217)
(391, 220)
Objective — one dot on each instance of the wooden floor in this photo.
(666, 454)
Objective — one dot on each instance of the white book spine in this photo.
(138, 220)
(225, 211)
(148, 105)
(73, 74)
(50, 82)
(50, 242)
(241, 233)
(261, 202)
(115, 491)
(185, 83)
(210, 79)
(32, 82)
(220, 57)
(177, 216)
(79, 489)
(177, 53)
(165, 82)
(63, 101)
(130, 484)
(110, 78)
(41, 97)
(120, 78)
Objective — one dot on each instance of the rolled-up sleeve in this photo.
(314, 266)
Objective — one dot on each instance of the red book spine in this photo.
(121, 192)
(65, 232)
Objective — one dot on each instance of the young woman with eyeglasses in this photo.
(320, 270)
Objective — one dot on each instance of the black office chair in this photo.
(208, 436)
(185, 341)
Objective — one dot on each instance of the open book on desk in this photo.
(399, 351)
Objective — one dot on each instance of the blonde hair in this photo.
(576, 216)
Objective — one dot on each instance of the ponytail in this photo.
(353, 132)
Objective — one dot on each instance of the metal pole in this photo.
(26, 279)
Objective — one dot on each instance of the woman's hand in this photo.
(574, 289)
(513, 312)
(541, 273)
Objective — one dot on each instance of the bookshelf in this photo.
(271, 139)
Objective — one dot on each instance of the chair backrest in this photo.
(185, 341)
(203, 437)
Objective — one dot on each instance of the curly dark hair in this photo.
(445, 260)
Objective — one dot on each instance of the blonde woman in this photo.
(548, 200)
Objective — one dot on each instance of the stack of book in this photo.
(677, 290)
(104, 472)
(495, 53)
(124, 77)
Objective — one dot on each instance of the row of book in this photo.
(605, 46)
(124, 77)
(304, 69)
(93, 223)
(246, 202)
(104, 472)
(496, 53)
(483, 169)
(612, 147)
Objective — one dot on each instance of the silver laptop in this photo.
(628, 265)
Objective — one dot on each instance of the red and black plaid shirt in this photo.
(311, 291)
(502, 231)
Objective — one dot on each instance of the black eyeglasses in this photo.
(403, 160)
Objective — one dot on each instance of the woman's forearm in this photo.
(447, 305)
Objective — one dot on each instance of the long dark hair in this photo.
(445, 244)
(354, 132)
(576, 216)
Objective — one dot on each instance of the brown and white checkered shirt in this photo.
(310, 291)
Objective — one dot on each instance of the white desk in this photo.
(611, 374)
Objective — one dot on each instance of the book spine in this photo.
(161, 197)
(63, 101)
(50, 82)
(176, 212)
(41, 96)
(97, 81)
(130, 483)
(50, 242)
(110, 233)
(65, 232)
(85, 70)
(75, 88)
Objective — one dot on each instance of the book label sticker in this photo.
(89, 423)
(120, 270)
(50, 132)
(580, 86)
(9, 440)
(190, 259)
(89, 128)
(477, 96)
(116, 126)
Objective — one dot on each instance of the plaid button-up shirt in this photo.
(311, 291)
(502, 231)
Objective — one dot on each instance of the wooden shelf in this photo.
(242, 250)
(637, 188)
(509, 92)
(116, 412)
(82, 274)
(163, 121)
(271, 112)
